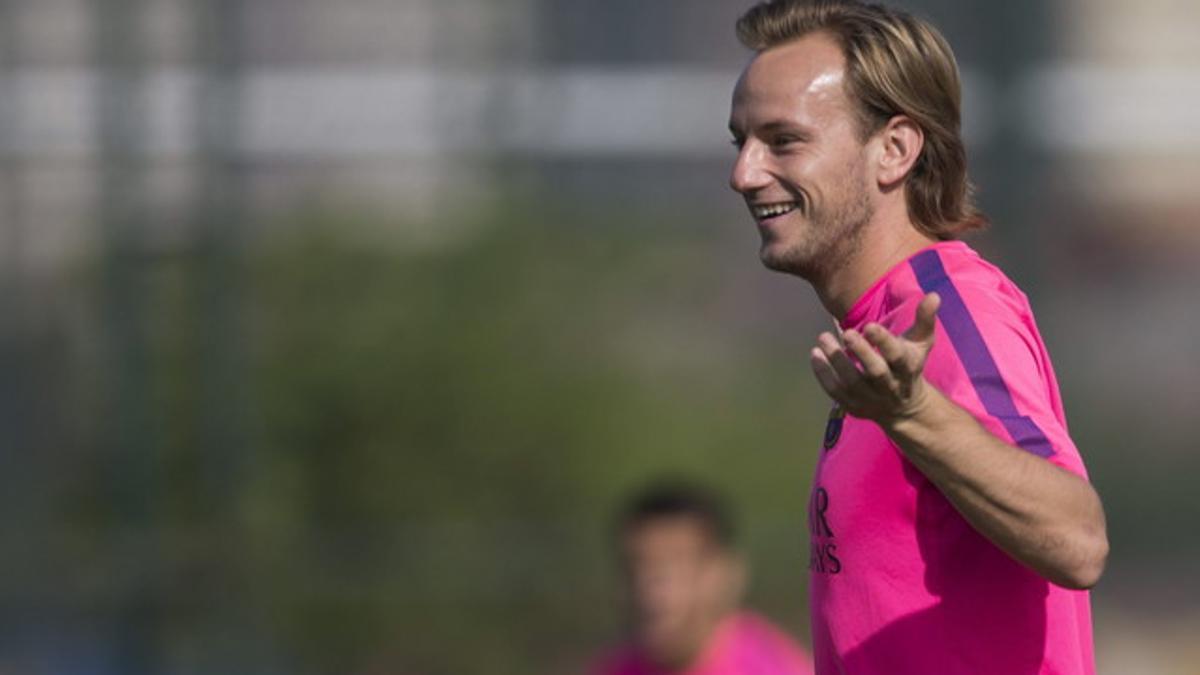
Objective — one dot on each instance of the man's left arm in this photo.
(1040, 514)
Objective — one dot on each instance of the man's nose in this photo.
(749, 173)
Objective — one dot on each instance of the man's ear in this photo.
(902, 141)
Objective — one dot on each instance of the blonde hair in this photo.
(896, 64)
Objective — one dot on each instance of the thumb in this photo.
(923, 325)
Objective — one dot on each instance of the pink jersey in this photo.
(744, 644)
(900, 582)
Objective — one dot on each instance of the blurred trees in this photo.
(438, 437)
(432, 441)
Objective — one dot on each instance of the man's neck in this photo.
(884, 245)
(696, 647)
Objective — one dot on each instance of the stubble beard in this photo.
(832, 237)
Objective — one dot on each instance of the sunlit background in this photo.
(334, 332)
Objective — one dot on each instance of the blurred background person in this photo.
(685, 579)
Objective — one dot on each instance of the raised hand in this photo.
(876, 375)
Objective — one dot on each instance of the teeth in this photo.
(772, 210)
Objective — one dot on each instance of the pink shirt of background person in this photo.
(744, 644)
(684, 584)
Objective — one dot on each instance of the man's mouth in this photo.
(767, 211)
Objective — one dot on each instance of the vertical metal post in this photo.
(12, 223)
(1019, 39)
(123, 223)
(220, 222)
(21, 496)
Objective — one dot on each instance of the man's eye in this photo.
(737, 142)
(783, 140)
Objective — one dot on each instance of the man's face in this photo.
(801, 166)
(681, 583)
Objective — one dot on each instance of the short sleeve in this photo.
(989, 359)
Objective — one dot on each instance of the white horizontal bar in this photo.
(416, 112)
(1081, 108)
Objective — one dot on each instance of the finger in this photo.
(889, 346)
(873, 363)
(846, 371)
(825, 374)
(923, 326)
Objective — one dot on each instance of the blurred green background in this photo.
(336, 333)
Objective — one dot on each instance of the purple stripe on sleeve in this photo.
(976, 359)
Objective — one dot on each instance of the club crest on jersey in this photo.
(833, 428)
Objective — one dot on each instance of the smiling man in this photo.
(953, 528)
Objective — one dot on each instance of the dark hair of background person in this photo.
(676, 498)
